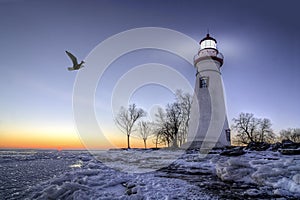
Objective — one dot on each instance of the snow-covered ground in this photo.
(259, 175)
(20, 169)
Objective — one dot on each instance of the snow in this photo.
(165, 174)
(137, 161)
(107, 183)
(282, 173)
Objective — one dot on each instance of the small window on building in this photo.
(227, 134)
(203, 82)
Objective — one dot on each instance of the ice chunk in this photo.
(289, 185)
(296, 178)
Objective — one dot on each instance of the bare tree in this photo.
(145, 130)
(163, 137)
(126, 119)
(174, 118)
(292, 134)
(245, 125)
(173, 121)
(161, 131)
(156, 128)
(185, 102)
(265, 132)
(236, 141)
(251, 129)
(168, 123)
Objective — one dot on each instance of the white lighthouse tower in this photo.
(208, 126)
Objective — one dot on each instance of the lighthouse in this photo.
(208, 126)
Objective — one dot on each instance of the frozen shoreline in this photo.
(256, 174)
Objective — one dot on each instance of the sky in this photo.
(259, 40)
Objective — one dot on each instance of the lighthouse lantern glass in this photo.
(208, 44)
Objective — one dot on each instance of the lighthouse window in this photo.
(208, 44)
(203, 82)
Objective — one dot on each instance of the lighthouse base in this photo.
(201, 145)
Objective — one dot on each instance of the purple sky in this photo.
(259, 39)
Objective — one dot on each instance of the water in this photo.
(21, 169)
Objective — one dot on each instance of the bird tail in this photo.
(71, 69)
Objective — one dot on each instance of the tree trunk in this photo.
(175, 144)
(128, 144)
(145, 144)
(175, 141)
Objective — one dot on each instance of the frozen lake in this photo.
(20, 169)
(147, 174)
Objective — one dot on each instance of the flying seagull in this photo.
(76, 66)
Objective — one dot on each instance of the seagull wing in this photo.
(73, 58)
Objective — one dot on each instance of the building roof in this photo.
(208, 37)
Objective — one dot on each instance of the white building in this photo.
(208, 126)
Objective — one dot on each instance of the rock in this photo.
(233, 152)
(289, 147)
(258, 146)
(130, 185)
(129, 192)
(290, 151)
(275, 146)
(288, 144)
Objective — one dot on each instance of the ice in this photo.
(266, 169)
(179, 176)
(253, 192)
(296, 178)
(137, 161)
(95, 180)
(288, 185)
(236, 170)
